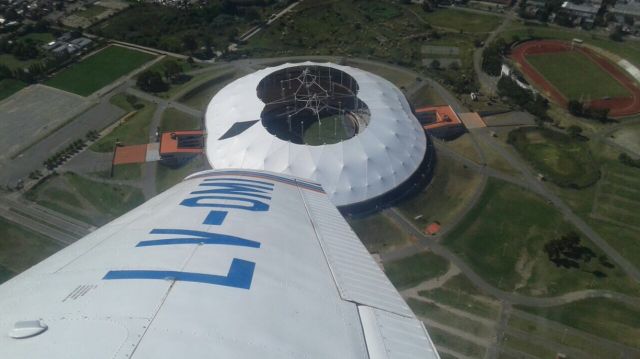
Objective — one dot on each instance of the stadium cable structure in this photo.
(304, 96)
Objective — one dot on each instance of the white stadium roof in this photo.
(384, 154)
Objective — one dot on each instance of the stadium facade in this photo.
(352, 131)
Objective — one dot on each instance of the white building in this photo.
(260, 122)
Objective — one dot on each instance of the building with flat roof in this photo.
(177, 147)
(440, 121)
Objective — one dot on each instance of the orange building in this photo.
(440, 121)
(179, 146)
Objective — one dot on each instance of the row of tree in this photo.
(492, 57)
(567, 251)
(628, 160)
(532, 103)
(154, 81)
(577, 108)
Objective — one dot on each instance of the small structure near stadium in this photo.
(350, 130)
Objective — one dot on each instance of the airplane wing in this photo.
(226, 264)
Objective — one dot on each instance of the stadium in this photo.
(352, 131)
(565, 71)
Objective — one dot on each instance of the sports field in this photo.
(99, 70)
(563, 160)
(576, 76)
(462, 20)
(326, 131)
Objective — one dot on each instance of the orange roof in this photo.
(169, 142)
(433, 228)
(445, 116)
(130, 154)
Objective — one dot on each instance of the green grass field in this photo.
(458, 20)
(411, 271)
(542, 330)
(167, 177)
(91, 11)
(601, 317)
(330, 131)
(13, 63)
(174, 120)
(378, 233)
(199, 94)
(576, 76)
(10, 86)
(82, 198)
(99, 70)
(460, 345)
(458, 292)
(134, 131)
(434, 312)
(503, 237)
(451, 188)
(21, 248)
(563, 160)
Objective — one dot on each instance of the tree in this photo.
(171, 70)
(190, 43)
(574, 131)
(435, 65)
(616, 34)
(575, 107)
(151, 81)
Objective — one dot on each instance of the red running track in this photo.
(618, 106)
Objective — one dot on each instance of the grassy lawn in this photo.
(378, 233)
(99, 70)
(20, 249)
(465, 147)
(440, 315)
(175, 120)
(563, 160)
(458, 20)
(330, 131)
(91, 11)
(200, 93)
(458, 292)
(133, 131)
(411, 271)
(576, 76)
(426, 96)
(526, 346)
(451, 188)
(503, 237)
(601, 317)
(540, 329)
(398, 78)
(167, 177)
(39, 37)
(93, 202)
(13, 63)
(125, 172)
(10, 86)
(460, 345)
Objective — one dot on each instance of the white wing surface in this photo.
(227, 264)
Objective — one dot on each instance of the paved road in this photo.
(166, 103)
(489, 84)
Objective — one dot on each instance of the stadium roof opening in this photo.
(350, 130)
